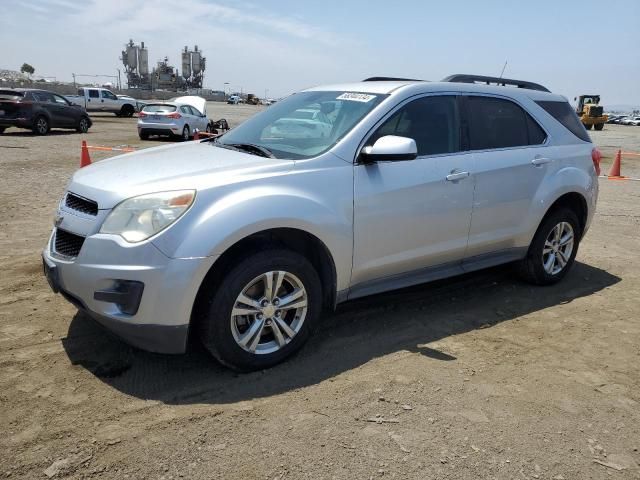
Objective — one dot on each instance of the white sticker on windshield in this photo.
(356, 97)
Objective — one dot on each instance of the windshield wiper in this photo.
(250, 148)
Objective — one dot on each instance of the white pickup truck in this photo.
(103, 100)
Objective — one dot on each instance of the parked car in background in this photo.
(138, 103)
(245, 239)
(178, 117)
(631, 121)
(304, 123)
(40, 111)
(95, 99)
(234, 99)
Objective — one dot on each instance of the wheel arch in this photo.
(297, 240)
(574, 201)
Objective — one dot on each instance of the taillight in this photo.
(141, 114)
(596, 156)
(174, 115)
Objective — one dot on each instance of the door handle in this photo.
(456, 175)
(540, 161)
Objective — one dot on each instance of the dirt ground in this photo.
(477, 377)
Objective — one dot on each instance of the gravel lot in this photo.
(480, 376)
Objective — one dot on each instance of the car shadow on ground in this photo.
(359, 331)
(29, 133)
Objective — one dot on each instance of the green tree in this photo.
(28, 69)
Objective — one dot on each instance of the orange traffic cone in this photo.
(615, 168)
(85, 159)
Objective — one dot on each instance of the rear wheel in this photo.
(598, 126)
(263, 311)
(83, 125)
(41, 126)
(143, 136)
(186, 134)
(553, 249)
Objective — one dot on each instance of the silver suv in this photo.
(242, 241)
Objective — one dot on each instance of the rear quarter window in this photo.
(10, 95)
(563, 113)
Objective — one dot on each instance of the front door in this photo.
(415, 214)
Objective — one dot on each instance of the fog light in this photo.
(125, 294)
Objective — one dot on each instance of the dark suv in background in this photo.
(40, 111)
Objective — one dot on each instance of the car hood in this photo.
(194, 165)
(196, 102)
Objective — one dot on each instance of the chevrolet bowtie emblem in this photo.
(57, 221)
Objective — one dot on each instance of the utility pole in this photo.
(74, 80)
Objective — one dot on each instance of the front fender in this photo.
(237, 214)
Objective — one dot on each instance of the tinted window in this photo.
(60, 100)
(498, 123)
(109, 95)
(94, 94)
(10, 95)
(43, 97)
(431, 121)
(563, 113)
(184, 109)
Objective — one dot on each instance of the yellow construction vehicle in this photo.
(590, 112)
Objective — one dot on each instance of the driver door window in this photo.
(431, 121)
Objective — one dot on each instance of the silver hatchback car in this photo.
(180, 117)
(243, 240)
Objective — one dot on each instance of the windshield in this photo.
(303, 125)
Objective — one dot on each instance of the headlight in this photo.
(139, 218)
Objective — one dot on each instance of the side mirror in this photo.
(390, 147)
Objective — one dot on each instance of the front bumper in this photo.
(93, 282)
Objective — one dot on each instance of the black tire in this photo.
(41, 125)
(598, 126)
(127, 111)
(531, 267)
(2, 129)
(215, 326)
(208, 129)
(587, 126)
(186, 134)
(143, 136)
(83, 125)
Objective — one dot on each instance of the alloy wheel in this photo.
(42, 126)
(558, 248)
(269, 312)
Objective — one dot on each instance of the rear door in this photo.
(92, 95)
(511, 162)
(413, 214)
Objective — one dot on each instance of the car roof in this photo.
(419, 86)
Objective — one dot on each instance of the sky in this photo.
(280, 46)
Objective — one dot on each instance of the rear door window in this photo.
(499, 123)
(94, 94)
(564, 113)
(433, 122)
(184, 109)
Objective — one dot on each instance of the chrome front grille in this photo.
(67, 244)
(81, 204)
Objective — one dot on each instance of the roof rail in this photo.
(465, 78)
(391, 79)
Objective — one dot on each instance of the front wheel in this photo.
(587, 126)
(598, 126)
(83, 125)
(553, 249)
(126, 111)
(263, 311)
